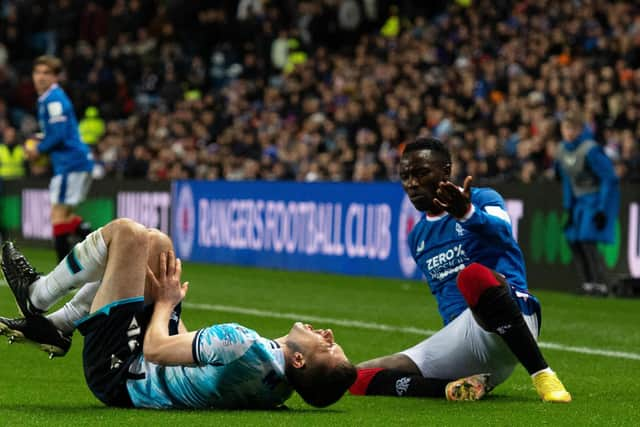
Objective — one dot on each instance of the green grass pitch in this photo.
(370, 317)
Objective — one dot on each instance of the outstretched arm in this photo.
(492, 221)
(167, 291)
(451, 199)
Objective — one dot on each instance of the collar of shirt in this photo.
(278, 354)
(432, 218)
(47, 92)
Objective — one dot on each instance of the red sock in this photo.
(473, 280)
(75, 222)
(67, 227)
(362, 382)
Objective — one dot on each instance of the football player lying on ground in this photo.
(475, 269)
(131, 360)
(84, 268)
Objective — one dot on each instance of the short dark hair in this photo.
(321, 385)
(50, 61)
(429, 143)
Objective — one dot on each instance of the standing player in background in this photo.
(591, 198)
(475, 269)
(70, 157)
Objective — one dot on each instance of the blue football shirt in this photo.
(442, 246)
(61, 139)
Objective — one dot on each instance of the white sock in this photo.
(78, 307)
(85, 263)
(547, 369)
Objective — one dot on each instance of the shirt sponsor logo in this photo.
(447, 262)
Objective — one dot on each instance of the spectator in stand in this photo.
(491, 80)
(12, 158)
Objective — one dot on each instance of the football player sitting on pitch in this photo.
(475, 269)
(130, 357)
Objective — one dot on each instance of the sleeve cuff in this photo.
(194, 347)
(469, 214)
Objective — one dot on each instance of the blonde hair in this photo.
(50, 61)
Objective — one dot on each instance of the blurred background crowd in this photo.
(327, 90)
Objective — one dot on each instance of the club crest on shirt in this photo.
(54, 108)
(459, 229)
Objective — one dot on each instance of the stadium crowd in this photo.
(332, 89)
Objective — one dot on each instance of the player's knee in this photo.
(129, 232)
(473, 280)
(159, 241)
(125, 224)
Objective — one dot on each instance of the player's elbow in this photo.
(149, 352)
(152, 355)
(152, 351)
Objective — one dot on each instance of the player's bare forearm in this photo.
(162, 348)
(167, 292)
(156, 334)
(182, 328)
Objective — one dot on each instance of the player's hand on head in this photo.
(450, 198)
(166, 287)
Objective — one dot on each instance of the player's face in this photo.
(43, 78)
(319, 343)
(421, 172)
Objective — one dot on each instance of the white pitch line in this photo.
(388, 328)
(391, 328)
